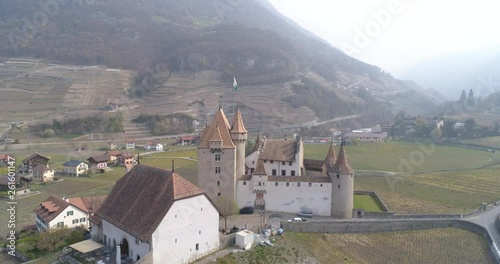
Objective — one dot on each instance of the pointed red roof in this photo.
(216, 136)
(341, 165)
(331, 157)
(238, 126)
(260, 169)
(220, 122)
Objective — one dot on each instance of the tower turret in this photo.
(342, 178)
(329, 161)
(239, 136)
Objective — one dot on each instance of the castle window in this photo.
(287, 184)
(283, 163)
(244, 183)
(283, 172)
(218, 194)
(265, 161)
(298, 184)
(338, 176)
(274, 172)
(217, 170)
(321, 185)
(197, 246)
(276, 184)
(252, 170)
(292, 173)
(339, 186)
(217, 156)
(253, 161)
(272, 161)
(310, 185)
(290, 163)
(218, 183)
(260, 183)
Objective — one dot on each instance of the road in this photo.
(315, 122)
(487, 220)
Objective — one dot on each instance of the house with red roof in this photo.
(56, 212)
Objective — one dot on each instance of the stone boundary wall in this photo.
(375, 196)
(388, 225)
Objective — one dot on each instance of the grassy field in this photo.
(392, 156)
(487, 142)
(426, 246)
(366, 202)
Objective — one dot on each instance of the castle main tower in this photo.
(342, 178)
(239, 135)
(217, 159)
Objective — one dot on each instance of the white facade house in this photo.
(56, 212)
(153, 146)
(180, 229)
(75, 168)
(129, 144)
(274, 176)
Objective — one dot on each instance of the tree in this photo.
(463, 97)
(470, 100)
(227, 208)
(470, 124)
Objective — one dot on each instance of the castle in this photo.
(275, 176)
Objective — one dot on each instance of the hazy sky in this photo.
(413, 30)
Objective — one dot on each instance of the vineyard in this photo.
(445, 192)
(428, 246)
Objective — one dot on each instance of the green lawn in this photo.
(366, 202)
(404, 157)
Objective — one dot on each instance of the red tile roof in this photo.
(113, 153)
(87, 204)
(98, 159)
(279, 150)
(238, 126)
(331, 157)
(51, 208)
(341, 166)
(221, 122)
(141, 199)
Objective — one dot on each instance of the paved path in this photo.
(487, 220)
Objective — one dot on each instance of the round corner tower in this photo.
(342, 177)
(239, 135)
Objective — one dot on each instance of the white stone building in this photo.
(274, 176)
(156, 212)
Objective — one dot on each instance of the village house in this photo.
(112, 145)
(57, 212)
(4, 158)
(75, 168)
(22, 183)
(112, 155)
(87, 204)
(98, 162)
(28, 163)
(130, 144)
(125, 158)
(180, 229)
(364, 137)
(187, 140)
(153, 146)
(42, 173)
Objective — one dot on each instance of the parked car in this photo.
(305, 213)
(247, 210)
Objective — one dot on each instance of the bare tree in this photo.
(227, 208)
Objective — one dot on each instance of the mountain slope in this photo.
(214, 41)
